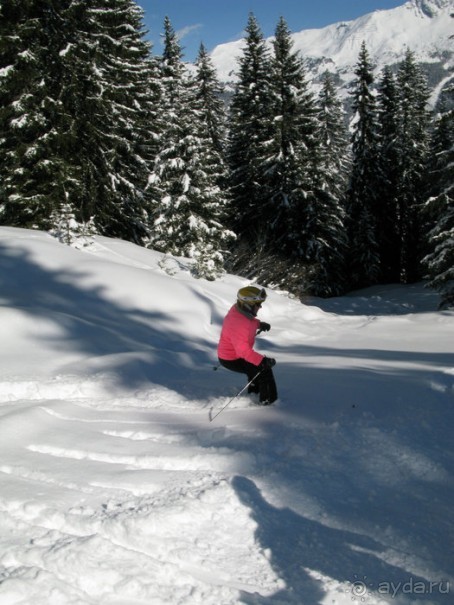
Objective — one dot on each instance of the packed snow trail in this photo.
(115, 487)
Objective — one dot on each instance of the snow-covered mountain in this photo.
(424, 26)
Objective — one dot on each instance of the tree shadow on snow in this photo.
(305, 554)
(389, 299)
(305, 351)
(136, 347)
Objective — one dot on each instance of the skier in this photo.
(235, 348)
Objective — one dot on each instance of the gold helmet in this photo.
(250, 295)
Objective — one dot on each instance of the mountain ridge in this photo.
(426, 27)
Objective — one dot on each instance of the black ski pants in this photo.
(264, 384)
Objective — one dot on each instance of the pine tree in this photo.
(187, 211)
(272, 140)
(32, 171)
(388, 236)
(335, 152)
(327, 277)
(291, 150)
(296, 239)
(362, 197)
(84, 101)
(439, 211)
(412, 151)
(211, 112)
(209, 95)
(309, 218)
(250, 121)
(108, 93)
(69, 231)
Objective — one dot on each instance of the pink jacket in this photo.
(238, 337)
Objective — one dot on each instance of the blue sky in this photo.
(214, 22)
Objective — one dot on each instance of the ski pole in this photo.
(237, 395)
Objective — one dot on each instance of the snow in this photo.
(117, 489)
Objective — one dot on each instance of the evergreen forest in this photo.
(279, 184)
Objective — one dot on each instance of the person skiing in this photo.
(236, 344)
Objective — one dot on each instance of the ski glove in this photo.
(267, 363)
(264, 327)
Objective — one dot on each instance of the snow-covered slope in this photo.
(117, 489)
(424, 26)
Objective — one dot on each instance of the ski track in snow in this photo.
(171, 527)
(116, 489)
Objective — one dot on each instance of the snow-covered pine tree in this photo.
(74, 121)
(187, 208)
(292, 149)
(272, 140)
(68, 230)
(208, 93)
(33, 171)
(250, 130)
(211, 112)
(294, 230)
(109, 90)
(388, 231)
(363, 196)
(308, 221)
(439, 211)
(412, 145)
(328, 242)
(333, 137)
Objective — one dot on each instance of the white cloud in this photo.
(185, 31)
